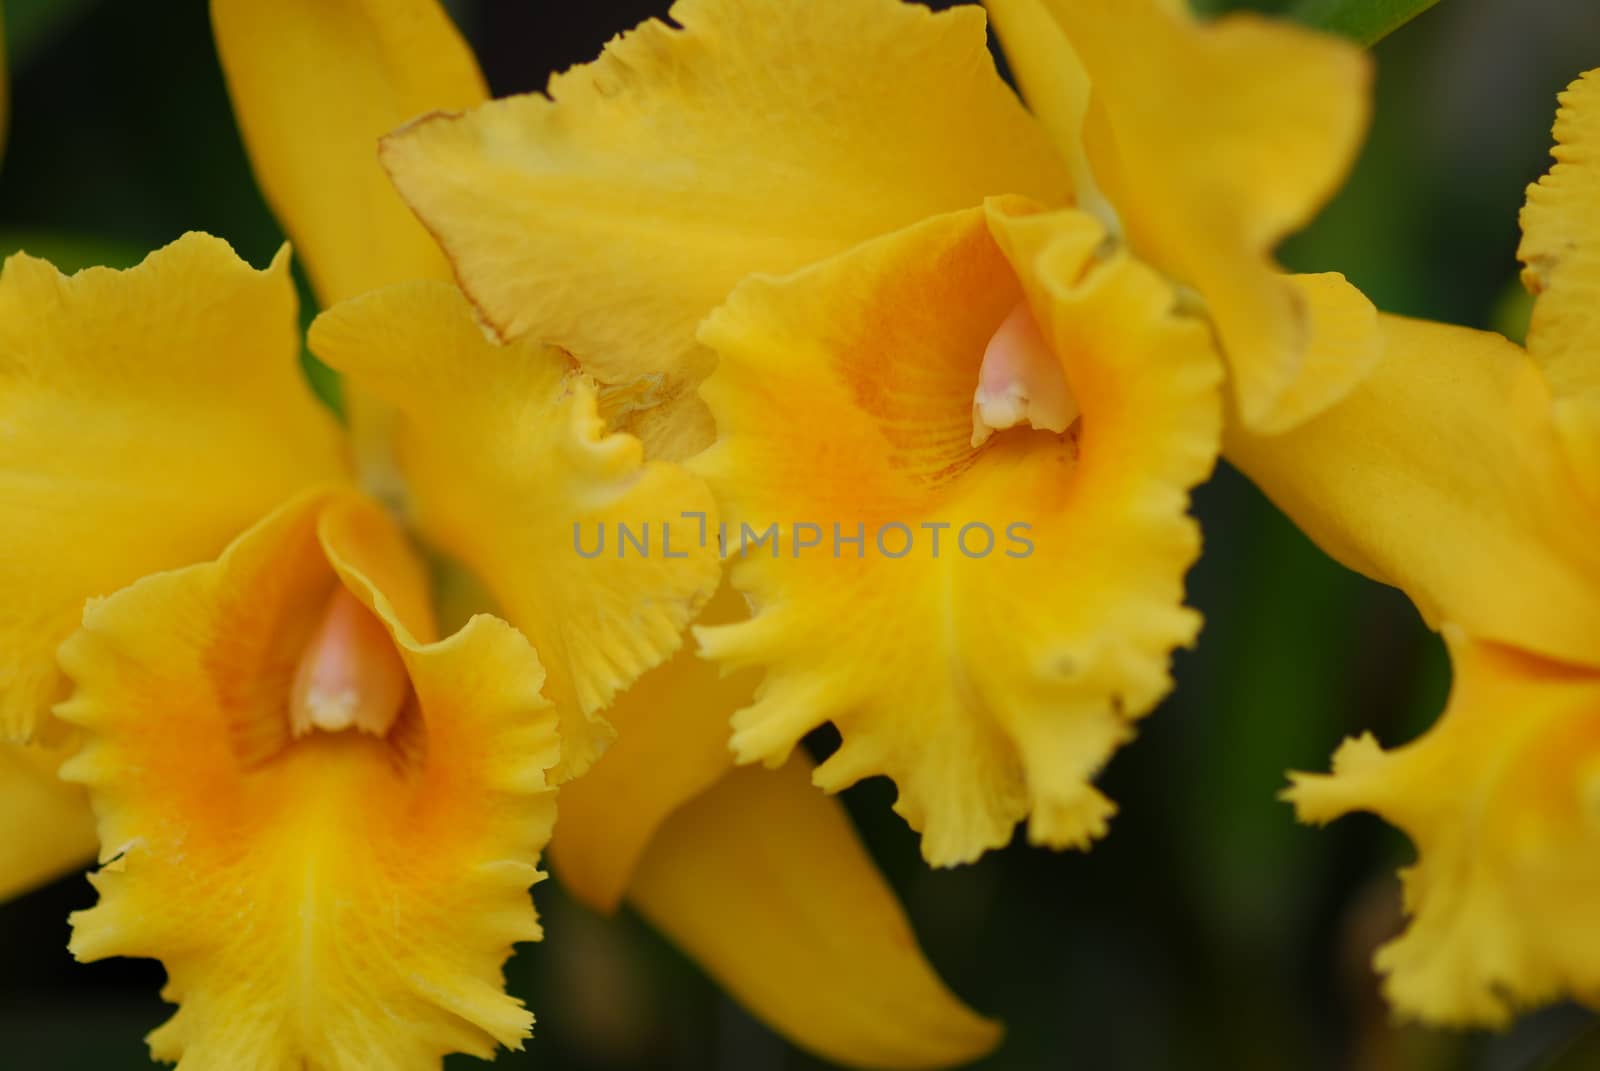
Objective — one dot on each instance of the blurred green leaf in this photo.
(71, 252)
(1582, 1049)
(1365, 21)
(32, 25)
(326, 383)
(1513, 311)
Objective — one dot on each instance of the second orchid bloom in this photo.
(802, 236)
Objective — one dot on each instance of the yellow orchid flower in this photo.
(322, 818)
(1464, 471)
(281, 753)
(923, 309)
(49, 830)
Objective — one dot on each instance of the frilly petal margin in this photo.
(1502, 800)
(803, 930)
(340, 899)
(46, 828)
(610, 216)
(147, 417)
(512, 472)
(1561, 253)
(990, 688)
(1215, 140)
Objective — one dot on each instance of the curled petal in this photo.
(338, 899)
(993, 674)
(147, 417)
(46, 829)
(1502, 800)
(512, 472)
(754, 135)
(1561, 251)
(1213, 141)
(802, 929)
(1345, 344)
(1443, 475)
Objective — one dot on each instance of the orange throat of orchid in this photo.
(1020, 382)
(350, 676)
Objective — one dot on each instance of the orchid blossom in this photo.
(826, 252)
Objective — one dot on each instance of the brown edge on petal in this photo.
(495, 331)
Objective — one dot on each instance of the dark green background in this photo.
(1209, 930)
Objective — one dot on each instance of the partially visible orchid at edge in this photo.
(1466, 471)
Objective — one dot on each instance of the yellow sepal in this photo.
(1443, 474)
(762, 881)
(315, 84)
